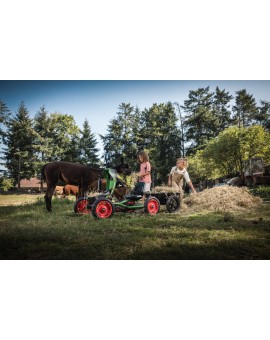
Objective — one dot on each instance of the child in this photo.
(177, 174)
(145, 172)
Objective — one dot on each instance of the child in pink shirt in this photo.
(145, 171)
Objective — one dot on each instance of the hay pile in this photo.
(163, 188)
(222, 199)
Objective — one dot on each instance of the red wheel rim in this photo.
(104, 209)
(82, 207)
(152, 207)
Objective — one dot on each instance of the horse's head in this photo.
(123, 169)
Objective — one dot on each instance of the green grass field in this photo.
(28, 231)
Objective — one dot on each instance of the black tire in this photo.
(80, 206)
(173, 204)
(151, 205)
(103, 208)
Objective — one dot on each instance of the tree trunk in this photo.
(19, 175)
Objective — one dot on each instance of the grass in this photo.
(18, 199)
(27, 231)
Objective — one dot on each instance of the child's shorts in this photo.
(147, 187)
(140, 188)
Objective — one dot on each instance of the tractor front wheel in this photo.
(81, 206)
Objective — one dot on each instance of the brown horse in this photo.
(75, 174)
(70, 190)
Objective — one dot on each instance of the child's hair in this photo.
(183, 160)
(144, 156)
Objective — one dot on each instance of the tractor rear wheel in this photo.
(103, 208)
(173, 204)
(151, 205)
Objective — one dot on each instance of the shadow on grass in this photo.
(30, 232)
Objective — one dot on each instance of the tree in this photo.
(162, 138)
(181, 121)
(200, 169)
(221, 105)
(200, 121)
(245, 108)
(20, 152)
(120, 141)
(43, 127)
(262, 117)
(87, 145)
(6, 183)
(65, 134)
(4, 114)
(232, 147)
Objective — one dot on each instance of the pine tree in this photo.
(221, 105)
(20, 151)
(87, 146)
(200, 120)
(4, 114)
(162, 138)
(73, 153)
(120, 141)
(43, 127)
(262, 117)
(245, 108)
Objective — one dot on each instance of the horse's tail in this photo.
(43, 176)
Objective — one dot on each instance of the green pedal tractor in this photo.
(105, 204)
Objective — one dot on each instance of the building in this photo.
(31, 185)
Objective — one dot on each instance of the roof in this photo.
(32, 183)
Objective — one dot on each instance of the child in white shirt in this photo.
(177, 174)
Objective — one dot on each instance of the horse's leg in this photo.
(67, 191)
(80, 191)
(48, 196)
(83, 189)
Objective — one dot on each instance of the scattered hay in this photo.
(222, 199)
(163, 188)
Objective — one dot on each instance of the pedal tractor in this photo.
(105, 204)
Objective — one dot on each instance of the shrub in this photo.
(6, 183)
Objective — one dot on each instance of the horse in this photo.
(70, 190)
(75, 174)
(58, 190)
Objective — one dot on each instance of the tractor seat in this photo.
(133, 197)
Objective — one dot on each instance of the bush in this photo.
(262, 191)
(6, 183)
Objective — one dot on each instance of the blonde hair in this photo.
(144, 156)
(183, 160)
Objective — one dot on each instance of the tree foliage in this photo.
(6, 183)
(245, 108)
(4, 114)
(161, 137)
(122, 136)
(88, 146)
(20, 153)
(200, 120)
(233, 146)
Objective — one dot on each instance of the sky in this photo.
(98, 101)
